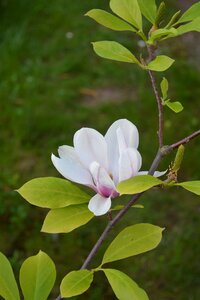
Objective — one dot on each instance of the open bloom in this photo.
(101, 162)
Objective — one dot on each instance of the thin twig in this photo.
(151, 51)
(108, 229)
(185, 140)
(120, 214)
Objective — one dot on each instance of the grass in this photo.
(51, 86)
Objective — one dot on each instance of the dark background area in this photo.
(51, 84)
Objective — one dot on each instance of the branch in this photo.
(185, 140)
(108, 229)
(120, 214)
(151, 51)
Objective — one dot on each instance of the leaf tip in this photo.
(87, 14)
(43, 229)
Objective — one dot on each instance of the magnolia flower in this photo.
(101, 162)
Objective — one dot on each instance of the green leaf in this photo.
(160, 14)
(37, 277)
(119, 207)
(133, 240)
(76, 283)
(191, 186)
(164, 88)
(63, 220)
(123, 286)
(178, 159)
(52, 192)
(173, 20)
(162, 33)
(148, 9)
(8, 285)
(137, 184)
(108, 20)
(192, 13)
(160, 63)
(175, 106)
(192, 26)
(114, 51)
(128, 10)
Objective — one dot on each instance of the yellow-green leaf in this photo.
(162, 33)
(175, 106)
(148, 9)
(133, 240)
(173, 20)
(63, 220)
(123, 286)
(119, 207)
(114, 51)
(128, 10)
(191, 26)
(108, 20)
(178, 158)
(8, 285)
(164, 88)
(137, 184)
(192, 13)
(191, 186)
(52, 192)
(37, 277)
(76, 283)
(160, 63)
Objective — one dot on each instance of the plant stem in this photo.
(160, 108)
(151, 51)
(108, 229)
(120, 214)
(185, 140)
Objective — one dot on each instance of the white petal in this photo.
(139, 159)
(142, 173)
(129, 164)
(64, 151)
(129, 131)
(103, 181)
(159, 174)
(121, 140)
(128, 135)
(71, 168)
(99, 205)
(91, 146)
(156, 174)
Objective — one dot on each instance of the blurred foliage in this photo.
(51, 85)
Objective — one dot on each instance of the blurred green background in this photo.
(51, 84)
